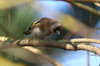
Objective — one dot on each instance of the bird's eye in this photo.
(58, 28)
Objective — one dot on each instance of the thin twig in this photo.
(31, 49)
(85, 7)
(9, 18)
(88, 58)
(91, 20)
(84, 40)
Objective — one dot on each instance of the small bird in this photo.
(43, 28)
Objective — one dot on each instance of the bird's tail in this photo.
(26, 33)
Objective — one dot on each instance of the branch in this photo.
(38, 52)
(85, 40)
(85, 7)
(52, 44)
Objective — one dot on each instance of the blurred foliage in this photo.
(6, 60)
(84, 15)
(10, 60)
(17, 20)
(11, 3)
(23, 15)
(21, 18)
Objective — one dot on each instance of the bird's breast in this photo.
(37, 33)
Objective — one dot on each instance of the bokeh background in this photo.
(17, 16)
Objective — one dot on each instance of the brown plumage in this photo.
(43, 28)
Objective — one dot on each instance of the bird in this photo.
(43, 28)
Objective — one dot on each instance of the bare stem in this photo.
(53, 44)
(85, 7)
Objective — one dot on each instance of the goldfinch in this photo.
(43, 27)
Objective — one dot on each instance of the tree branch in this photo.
(85, 7)
(51, 60)
(51, 44)
(85, 40)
